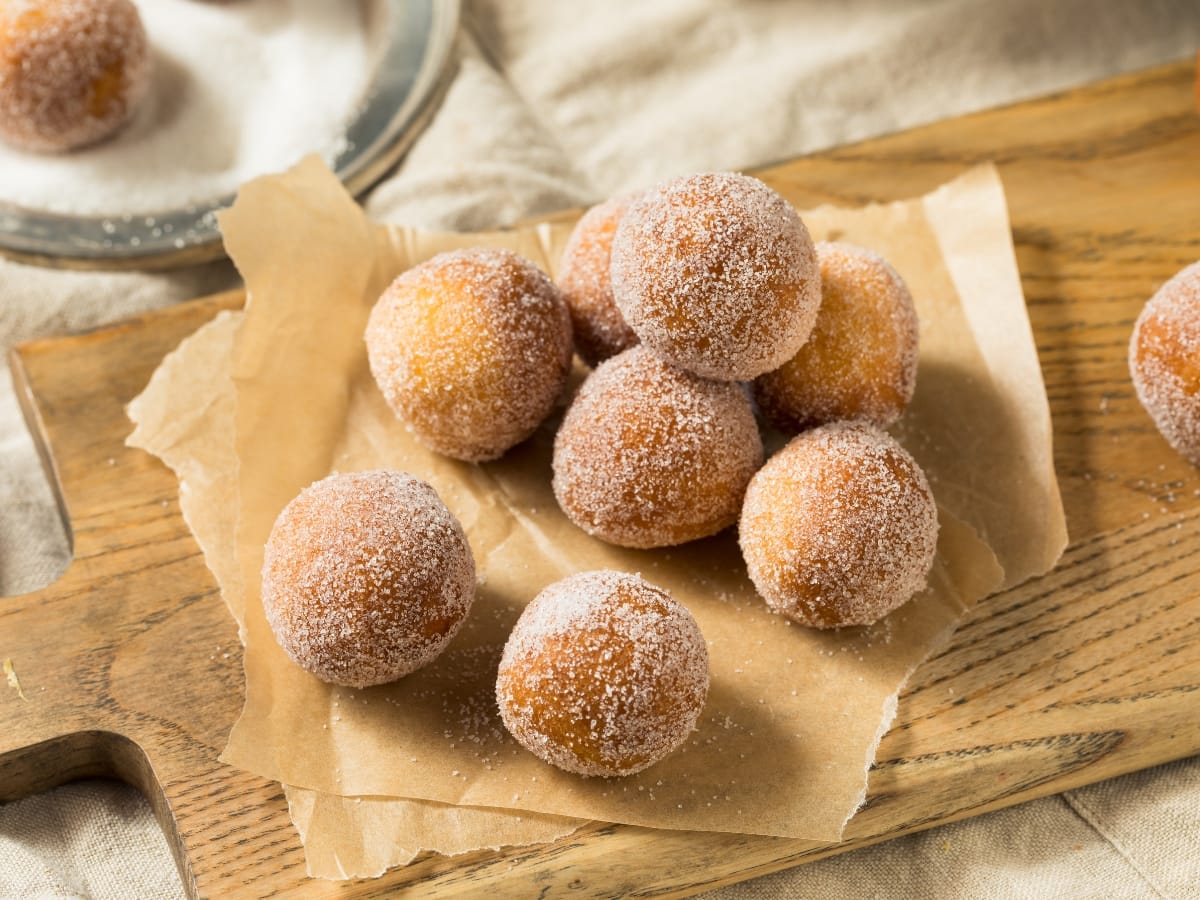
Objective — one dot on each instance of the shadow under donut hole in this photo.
(978, 456)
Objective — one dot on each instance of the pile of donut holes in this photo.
(703, 307)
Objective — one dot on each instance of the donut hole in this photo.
(471, 349)
(1164, 361)
(839, 528)
(860, 362)
(717, 274)
(651, 456)
(72, 72)
(366, 577)
(586, 282)
(603, 674)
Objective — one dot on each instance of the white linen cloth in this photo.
(561, 104)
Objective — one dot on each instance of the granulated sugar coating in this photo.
(71, 71)
(584, 276)
(603, 674)
(860, 362)
(471, 349)
(717, 274)
(1164, 360)
(839, 527)
(651, 456)
(366, 577)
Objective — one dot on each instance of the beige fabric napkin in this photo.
(556, 105)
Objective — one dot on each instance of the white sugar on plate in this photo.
(239, 89)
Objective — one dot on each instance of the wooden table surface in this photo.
(130, 665)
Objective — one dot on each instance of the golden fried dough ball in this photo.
(650, 456)
(366, 577)
(1164, 360)
(72, 72)
(860, 362)
(603, 674)
(471, 349)
(839, 527)
(717, 274)
(600, 329)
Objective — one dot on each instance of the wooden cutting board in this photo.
(130, 666)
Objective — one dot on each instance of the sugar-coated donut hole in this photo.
(860, 362)
(717, 274)
(471, 349)
(72, 72)
(839, 527)
(366, 577)
(603, 674)
(1164, 361)
(584, 277)
(651, 456)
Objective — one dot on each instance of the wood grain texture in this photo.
(132, 666)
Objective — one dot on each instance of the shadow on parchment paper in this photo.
(462, 679)
(961, 431)
(739, 727)
(958, 397)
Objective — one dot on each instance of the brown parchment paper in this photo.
(362, 837)
(188, 423)
(794, 716)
